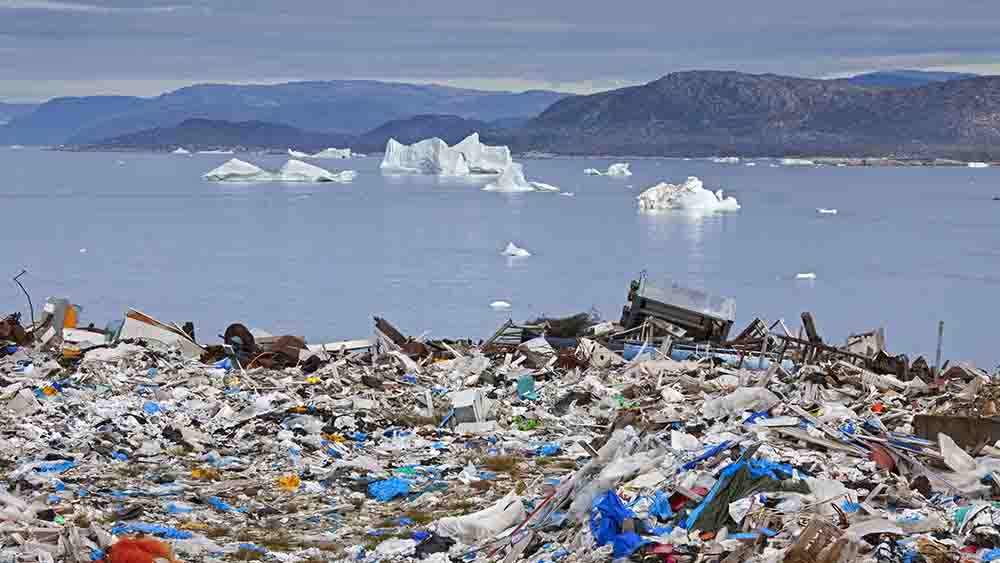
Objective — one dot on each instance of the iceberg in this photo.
(825, 211)
(236, 170)
(500, 305)
(806, 276)
(333, 153)
(978, 165)
(512, 180)
(180, 150)
(434, 156)
(298, 171)
(483, 159)
(430, 156)
(515, 251)
(726, 160)
(797, 162)
(619, 169)
(691, 195)
(568, 194)
(216, 152)
(298, 154)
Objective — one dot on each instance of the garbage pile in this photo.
(559, 440)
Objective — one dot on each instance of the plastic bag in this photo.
(743, 399)
(388, 489)
(485, 524)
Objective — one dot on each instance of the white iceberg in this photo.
(216, 152)
(333, 153)
(236, 170)
(750, 164)
(434, 156)
(500, 305)
(515, 251)
(806, 276)
(298, 171)
(483, 159)
(797, 162)
(298, 154)
(619, 169)
(567, 194)
(726, 160)
(512, 180)
(180, 150)
(691, 195)
(978, 165)
(825, 211)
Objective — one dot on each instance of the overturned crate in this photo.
(695, 314)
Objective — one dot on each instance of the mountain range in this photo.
(692, 113)
(341, 106)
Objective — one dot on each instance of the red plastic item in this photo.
(139, 550)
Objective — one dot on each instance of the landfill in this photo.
(656, 437)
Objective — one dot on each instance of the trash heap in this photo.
(559, 440)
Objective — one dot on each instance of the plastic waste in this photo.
(388, 489)
(743, 399)
(484, 524)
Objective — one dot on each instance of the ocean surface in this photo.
(909, 246)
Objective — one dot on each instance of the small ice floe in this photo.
(978, 165)
(500, 305)
(806, 276)
(83, 251)
(515, 251)
(567, 194)
(825, 211)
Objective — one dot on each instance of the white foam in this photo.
(515, 251)
(691, 196)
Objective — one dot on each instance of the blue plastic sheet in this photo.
(548, 450)
(222, 505)
(991, 555)
(626, 544)
(526, 388)
(661, 506)
(151, 529)
(612, 513)
(151, 408)
(388, 489)
(710, 452)
(58, 467)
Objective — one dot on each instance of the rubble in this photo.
(657, 437)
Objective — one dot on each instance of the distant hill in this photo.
(10, 111)
(717, 112)
(342, 106)
(204, 134)
(905, 78)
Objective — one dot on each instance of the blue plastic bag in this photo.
(661, 506)
(626, 544)
(526, 388)
(612, 514)
(388, 489)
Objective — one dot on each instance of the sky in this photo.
(65, 47)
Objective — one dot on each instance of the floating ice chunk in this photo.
(567, 194)
(434, 156)
(825, 211)
(750, 164)
(500, 305)
(593, 172)
(430, 156)
(726, 160)
(297, 154)
(619, 169)
(543, 187)
(483, 159)
(806, 276)
(333, 153)
(236, 170)
(298, 171)
(978, 165)
(511, 180)
(797, 162)
(216, 152)
(515, 251)
(83, 251)
(180, 150)
(691, 195)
